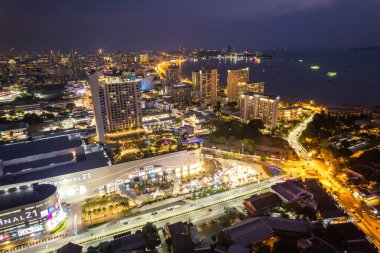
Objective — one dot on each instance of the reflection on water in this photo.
(289, 74)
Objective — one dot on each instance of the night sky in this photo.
(36, 25)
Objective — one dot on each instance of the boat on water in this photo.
(314, 67)
(331, 74)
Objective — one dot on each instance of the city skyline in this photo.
(190, 126)
(133, 25)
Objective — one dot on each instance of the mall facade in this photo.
(85, 183)
(29, 212)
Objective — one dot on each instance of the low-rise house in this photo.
(327, 207)
(70, 248)
(129, 243)
(181, 239)
(293, 191)
(259, 204)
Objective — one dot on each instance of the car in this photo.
(154, 213)
(209, 210)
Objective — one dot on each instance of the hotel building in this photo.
(235, 77)
(117, 102)
(259, 106)
(205, 84)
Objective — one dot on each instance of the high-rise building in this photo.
(243, 88)
(144, 58)
(234, 78)
(74, 68)
(259, 106)
(117, 102)
(173, 74)
(181, 93)
(205, 85)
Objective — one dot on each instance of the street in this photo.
(197, 208)
(307, 167)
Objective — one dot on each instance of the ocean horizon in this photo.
(289, 75)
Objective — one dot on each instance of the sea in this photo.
(288, 74)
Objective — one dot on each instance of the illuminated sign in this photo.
(40, 212)
(14, 235)
(14, 219)
(148, 167)
(4, 236)
(27, 231)
(82, 177)
(44, 213)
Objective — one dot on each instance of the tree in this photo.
(264, 157)
(150, 234)
(252, 129)
(32, 118)
(248, 145)
(230, 214)
(218, 108)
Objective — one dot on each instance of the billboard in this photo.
(29, 213)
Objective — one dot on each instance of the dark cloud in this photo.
(151, 24)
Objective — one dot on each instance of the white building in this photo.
(205, 85)
(259, 106)
(117, 102)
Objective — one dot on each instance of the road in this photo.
(198, 208)
(307, 167)
(293, 138)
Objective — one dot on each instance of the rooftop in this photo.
(249, 231)
(132, 242)
(12, 126)
(93, 160)
(178, 228)
(70, 248)
(38, 163)
(290, 225)
(24, 196)
(288, 189)
(326, 204)
(249, 93)
(236, 248)
(264, 201)
(36, 147)
(180, 234)
(258, 229)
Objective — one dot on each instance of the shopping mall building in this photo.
(79, 171)
(29, 212)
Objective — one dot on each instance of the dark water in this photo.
(357, 81)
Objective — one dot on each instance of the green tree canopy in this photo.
(150, 234)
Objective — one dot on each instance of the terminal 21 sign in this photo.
(14, 219)
(69, 180)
